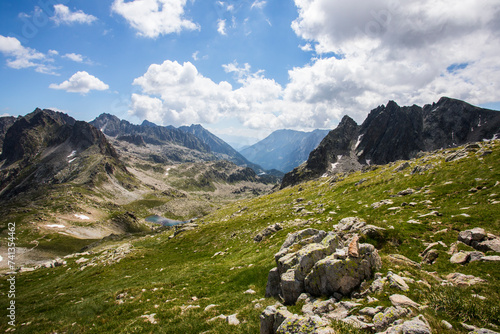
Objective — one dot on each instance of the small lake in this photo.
(163, 221)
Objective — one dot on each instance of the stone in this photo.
(446, 324)
(483, 331)
(342, 275)
(233, 319)
(417, 325)
(406, 192)
(250, 292)
(475, 256)
(350, 224)
(468, 236)
(402, 260)
(291, 288)
(382, 320)
(353, 248)
(488, 245)
(209, 307)
(298, 324)
(397, 282)
(296, 237)
(273, 283)
(377, 205)
(358, 322)
(491, 258)
(463, 280)
(431, 256)
(149, 318)
(460, 258)
(401, 300)
(267, 320)
(370, 311)
(267, 231)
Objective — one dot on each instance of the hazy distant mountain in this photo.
(392, 133)
(284, 149)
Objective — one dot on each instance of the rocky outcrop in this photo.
(392, 133)
(321, 264)
(5, 124)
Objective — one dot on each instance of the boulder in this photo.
(460, 258)
(310, 233)
(350, 224)
(464, 280)
(397, 282)
(273, 283)
(468, 236)
(417, 325)
(403, 301)
(291, 287)
(483, 331)
(383, 320)
(297, 324)
(430, 256)
(267, 231)
(342, 274)
(488, 245)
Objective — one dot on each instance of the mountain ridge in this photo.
(391, 133)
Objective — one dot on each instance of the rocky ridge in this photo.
(391, 133)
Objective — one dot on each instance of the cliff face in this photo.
(391, 133)
(47, 147)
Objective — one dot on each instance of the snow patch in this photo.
(55, 226)
(1, 258)
(82, 217)
(71, 160)
(168, 169)
(334, 165)
(72, 154)
(368, 162)
(359, 141)
(324, 175)
(339, 157)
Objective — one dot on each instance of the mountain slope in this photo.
(392, 133)
(219, 147)
(284, 149)
(5, 124)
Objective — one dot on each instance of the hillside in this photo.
(391, 133)
(210, 276)
(284, 149)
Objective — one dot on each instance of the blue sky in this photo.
(244, 68)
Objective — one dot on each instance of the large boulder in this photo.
(317, 262)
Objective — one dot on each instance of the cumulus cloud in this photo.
(412, 52)
(152, 18)
(81, 82)
(19, 57)
(63, 15)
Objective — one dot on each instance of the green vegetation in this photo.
(218, 261)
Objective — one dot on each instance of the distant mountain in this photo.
(284, 149)
(221, 149)
(392, 133)
(150, 132)
(47, 147)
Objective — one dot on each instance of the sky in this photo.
(244, 68)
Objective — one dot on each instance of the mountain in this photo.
(150, 132)
(284, 149)
(391, 133)
(221, 149)
(5, 124)
(47, 147)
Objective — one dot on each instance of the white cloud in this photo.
(63, 15)
(221, 27)
(74, 57)
(387, 50)
(81, 82)
(152, 18)
(20, 57)
(258, 4)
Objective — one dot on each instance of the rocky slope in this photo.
(392, 133)
(5, 124)
(284, 149)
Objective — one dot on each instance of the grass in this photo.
(163, 274)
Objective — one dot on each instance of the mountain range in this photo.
(284, 149)
(391, 133)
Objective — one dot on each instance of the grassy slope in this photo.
(163, 274)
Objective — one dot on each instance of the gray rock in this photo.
(468, 236)
(296, 237)
(233, 319)
(267, 320)
(491, 258)
(403, 301)
(406, 192)
(460, 258)
(382, 321)
(267, 231)
(397, 282)
(273, 283)
(402, 260)
(417, 325)
(291, 288)
(483, 331)
(298, 324)
(350, 224)
(358, 322)
(431, 256)
(370, 311)
(464, 280)
(488, 245)
(446, 324)
(475, 256)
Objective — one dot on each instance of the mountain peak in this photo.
(148, 123)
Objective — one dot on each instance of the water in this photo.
(163, 221)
